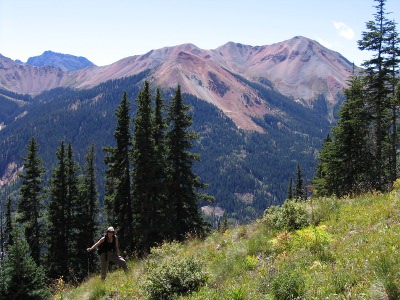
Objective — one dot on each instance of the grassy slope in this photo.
(353, 253)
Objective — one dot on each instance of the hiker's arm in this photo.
(116, 246)
(98, 243)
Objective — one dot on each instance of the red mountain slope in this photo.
(299, 68)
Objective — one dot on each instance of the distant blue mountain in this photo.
(63, 61)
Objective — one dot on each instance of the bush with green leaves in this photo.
(173, 276)
(292, 215)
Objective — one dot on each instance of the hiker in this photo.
(109, 251)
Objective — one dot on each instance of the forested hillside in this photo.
(246, 171)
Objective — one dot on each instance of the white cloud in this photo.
(344, 30)
(325, 43)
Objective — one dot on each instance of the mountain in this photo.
(259, 111)
(65, 62)
(298, 68)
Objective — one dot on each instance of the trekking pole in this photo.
(88, 273)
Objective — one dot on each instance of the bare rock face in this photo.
(299, 68)
(11, 174)
(25, 79)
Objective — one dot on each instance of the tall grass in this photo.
(336, 249)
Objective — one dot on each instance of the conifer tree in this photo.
(393, 65)
(58, 253)
(9, 227)
(162, 212)
(22, 278)
(144, 173)
(87, 213)
(376, 80)
(74, 220)
(346, 159)
(298, 192)
(183, 184)
(351, 137)
(118, 180)
(290, 189)
(2, 230)
(30, 205)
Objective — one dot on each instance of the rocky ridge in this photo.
(299, 68)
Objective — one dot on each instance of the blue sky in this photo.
(106, 31)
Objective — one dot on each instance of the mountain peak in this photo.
(65, 62)
(299, 68)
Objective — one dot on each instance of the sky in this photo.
(107, 31)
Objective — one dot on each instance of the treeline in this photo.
(152, 195)
(361, 154)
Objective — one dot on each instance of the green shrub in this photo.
(291, 215)
(172, 277)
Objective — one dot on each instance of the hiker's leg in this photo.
(104, 265)
(119, 261)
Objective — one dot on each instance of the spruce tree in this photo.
(144, 174)
(393, 64)
(2, 230)
(118, 180)
(30, 205)
(8, 226)
(73, 231)
(87, 214)
(298, 192)
(346, 162)
(377, 81)
(58, 253)
(162, 212)
(290, 189)
(320, 182)
(351, 137)
(183, 184)
(21, 277)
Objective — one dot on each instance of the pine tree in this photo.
(58, 253)
(30, 205)
(144, 173)
(73, 231)
(290, 189)
(9, 227)
(118, 180)
(321, 182)
(346, 162)
(377, 82)
(393, 64)
(298, 192)
(183, 184)
(2, 231)
(88, 214)
(22, 278)
(162, 212)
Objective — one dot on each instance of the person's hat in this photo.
(110, 229)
